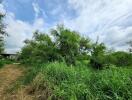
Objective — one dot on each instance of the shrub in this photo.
(121, 58)
(1, 64)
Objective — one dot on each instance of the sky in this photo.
(110, 20)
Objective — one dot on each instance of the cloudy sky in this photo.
(111, 20)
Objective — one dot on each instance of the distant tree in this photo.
(130, 44)
(121, 58)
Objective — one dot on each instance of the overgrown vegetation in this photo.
(68, 66)
(68, 46)
(63, 65)
(2, 34)
(85, 84)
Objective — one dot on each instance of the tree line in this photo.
(62, 44)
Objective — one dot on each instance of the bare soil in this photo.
(8, 75)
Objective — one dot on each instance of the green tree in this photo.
(121, 58)
(130, 44)
(98, 55)
(67, 42)
(39, 49)
(84, 50)
(2, 31)
(61, 45)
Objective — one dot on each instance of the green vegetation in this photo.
(58, 81)
(63, 65)
(71, 67)
(5, 61)
(84, 84)
(1, 64)
(2, 32)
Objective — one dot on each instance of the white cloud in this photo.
(111, 20)
(102, 18)
(19, 31)
(2, 9)
(36, 9)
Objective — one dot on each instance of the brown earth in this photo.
(8, 75)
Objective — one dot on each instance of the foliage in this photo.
(39, 49)
(112, 84)
(98, 56)
(1, 63)
(2, 32)
(65, 45)
(130, 44)
(82, 83)
(4, 61)
(121, 58)
(68, 46)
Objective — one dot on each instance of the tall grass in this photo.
(82, 83)
(58, 81)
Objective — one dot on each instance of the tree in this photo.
(130, 44)
(98, 55)
(67, 42)
(2, 32)
(121, 58)
(65, 45)
(39, 49)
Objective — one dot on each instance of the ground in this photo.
(8, 75)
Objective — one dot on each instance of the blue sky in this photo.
(111, 20)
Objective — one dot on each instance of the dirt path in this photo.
(8, 75)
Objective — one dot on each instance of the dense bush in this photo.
(98, 56)
(121, 58)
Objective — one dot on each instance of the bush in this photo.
(1, 64)
(5, 61)
(97, 60)
(121, 58)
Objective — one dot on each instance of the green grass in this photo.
(82, 83)
(61, 82)
(5, 61)
(1, 64)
